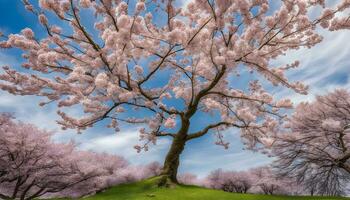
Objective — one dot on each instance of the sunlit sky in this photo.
(323, 68)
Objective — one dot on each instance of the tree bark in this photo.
(172, 159)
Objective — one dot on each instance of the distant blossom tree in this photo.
(238, 182)
(230, 181)
(153, 169)
(315, 147)
(169, 69)
(134, 173)
(215, 179)
(267, 182)
(188, 179)
(32, 166)
(105, 165)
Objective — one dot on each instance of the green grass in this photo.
(146, 189)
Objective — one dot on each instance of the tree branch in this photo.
(209, 127)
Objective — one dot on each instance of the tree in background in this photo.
(168, 62)
(315, 147)
(238, 182)
(267, 182)
(230, 181)
(107, 167)
(31, 165)
(260, 180)
(188, 179)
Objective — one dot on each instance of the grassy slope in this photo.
(146, 190)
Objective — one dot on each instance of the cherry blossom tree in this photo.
(153, 169)
(167, 62)
(105, 165)
(31, 165)
(215, 179)
(315, 147)
(230, 181)
(267, 182)
(238, 182)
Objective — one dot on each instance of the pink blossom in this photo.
(43, 20)
(285, 103)
(28, 33)
(85, 3)
(122, 8)
(245, 114)
(170, 122)
(101, 80)
(125, 96)
(56, 29)
(220, 60)
(45, 4)
(138, 69)
(140, 6)
(331, 124)
(123, 21)
(177, 36)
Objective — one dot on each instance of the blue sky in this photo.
(323, 68)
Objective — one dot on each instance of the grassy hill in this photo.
(146, 189)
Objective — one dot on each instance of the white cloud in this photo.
(205, 160)
(203, 156)
(26, 109)
(327, 60)
(122, 144)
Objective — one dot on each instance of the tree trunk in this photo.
(172, 159)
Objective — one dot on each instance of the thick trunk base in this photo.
(168, 176)
(166, 181)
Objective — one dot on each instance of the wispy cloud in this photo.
(205, 156)
(122, 144)
(323, 68)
